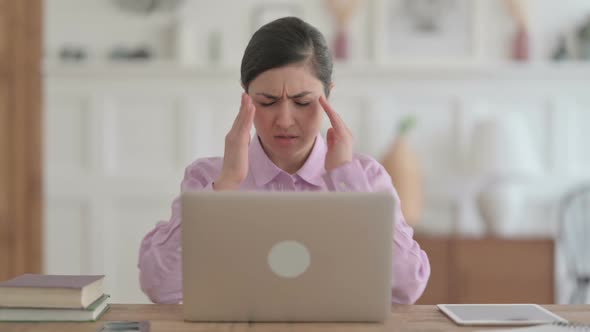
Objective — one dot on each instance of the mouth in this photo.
(286, 138)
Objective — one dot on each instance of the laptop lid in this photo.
(287, 256)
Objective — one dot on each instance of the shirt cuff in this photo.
(349, 177)
(186, 186)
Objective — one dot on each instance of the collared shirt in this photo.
(160, 260)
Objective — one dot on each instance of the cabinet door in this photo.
(437, 249)
(502, 271)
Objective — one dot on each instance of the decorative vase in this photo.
(520, 47)
(341, 44)
(403, 165)
(504, 158)
(342, 12)
(501, 205)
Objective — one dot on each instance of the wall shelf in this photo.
(170, 69)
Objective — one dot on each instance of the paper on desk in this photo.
(536, 328)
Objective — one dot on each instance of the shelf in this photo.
(170, 69)
(136, 69)
(508, 70)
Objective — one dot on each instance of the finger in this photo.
(338, 119)
(335, 119)
(247, 117)
(240, 111)
(239, 116)
(342, 123)
(251, 113)
(330, 137)
(250, 121)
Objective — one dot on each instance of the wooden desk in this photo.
(168, 318)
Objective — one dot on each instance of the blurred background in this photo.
(479, 109)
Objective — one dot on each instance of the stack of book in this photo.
(35, 297)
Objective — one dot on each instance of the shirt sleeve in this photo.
(160, 257)
(411, 267)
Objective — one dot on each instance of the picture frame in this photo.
(426, 32)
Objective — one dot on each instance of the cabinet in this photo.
(489, 270)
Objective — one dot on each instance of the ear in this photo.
(243, 87)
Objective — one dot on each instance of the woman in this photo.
(286, 76)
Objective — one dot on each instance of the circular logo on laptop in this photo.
(288, 259)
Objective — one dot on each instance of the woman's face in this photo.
(288, 113)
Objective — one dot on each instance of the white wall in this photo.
(118, 137)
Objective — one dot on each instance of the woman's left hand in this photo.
(339, 139)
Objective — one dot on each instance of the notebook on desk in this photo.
(499, 314)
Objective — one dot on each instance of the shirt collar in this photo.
(261, 167)
(313, 168)
(264, 170)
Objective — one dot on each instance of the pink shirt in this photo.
(160, 270)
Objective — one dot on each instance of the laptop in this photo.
(287, 256)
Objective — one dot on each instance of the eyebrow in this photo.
(299, 95)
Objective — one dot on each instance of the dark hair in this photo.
(286, 41)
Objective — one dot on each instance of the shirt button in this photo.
(343, 185)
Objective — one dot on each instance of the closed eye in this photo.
(297, 103)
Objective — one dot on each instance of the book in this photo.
(51, 291)
(555, 327)
(126, 326)
(92, 313)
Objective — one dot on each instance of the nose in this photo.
(284, 116)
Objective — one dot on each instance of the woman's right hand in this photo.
(237, 140)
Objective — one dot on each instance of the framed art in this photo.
(426, 31)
